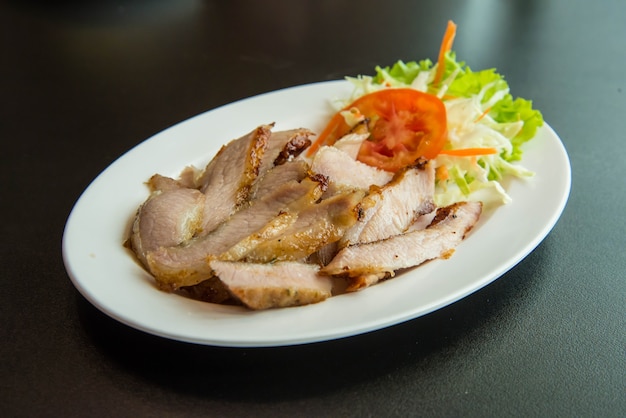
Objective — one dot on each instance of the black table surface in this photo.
(83, 82)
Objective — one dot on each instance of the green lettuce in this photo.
(468, 83)
(401, 72)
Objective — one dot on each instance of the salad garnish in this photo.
(467, 121)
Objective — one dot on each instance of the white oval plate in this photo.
(107, 275)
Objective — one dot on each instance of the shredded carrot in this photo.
(446, 46)
(334, 125)
(468, 152)
(442, 173)
(482, 115)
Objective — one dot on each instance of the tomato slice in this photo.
(404, 124)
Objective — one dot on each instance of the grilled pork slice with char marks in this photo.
(271, 230)
(345, 172)
(276, 285)
(282, 147)
(391, 209)
(279, 175)
(165, 219)
(286, 146)
(439, 240)
(187, 264)
(227, 179)
(315, 227)
(278, 164)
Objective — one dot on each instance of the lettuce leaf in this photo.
(468, 83)
(510, 110)
(401, 72)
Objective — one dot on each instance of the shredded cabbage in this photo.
(481, 113)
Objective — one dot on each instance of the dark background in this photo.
(83, 82)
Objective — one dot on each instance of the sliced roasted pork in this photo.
(351, 143)
(269, 231)
(256, 225)
(391, 209)
(227, 179)
(166, 219)
(366, 280)
(325, 254)
(346, 172)
(159, 183)
(287, 145)
(211, 290)
(315, 227)
(187, 264)
(187, 179)
(422, 221)
(276, 285)
(278, 175)
(439, 240)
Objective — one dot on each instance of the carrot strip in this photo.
(468, 152)
(330, 129)
(446, 45)
(482, 115)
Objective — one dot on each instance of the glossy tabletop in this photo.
(82, 83)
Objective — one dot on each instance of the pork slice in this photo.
(187, 264)
(391, 209)
(270, 230)
(276, 285)
(160, 183)
(351, 143)
(361, 282)
(286, 146)
(439, 240)
(346, 172)
(422, 221)
(186, 179)
(325, 254)
(166, 218)
(211, 290)
(278, 175)
(315, 227)
(227, 179)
